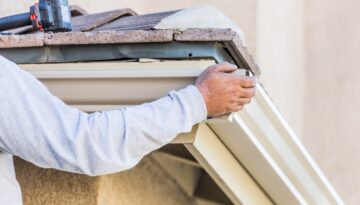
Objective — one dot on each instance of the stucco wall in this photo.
(146, 184)
(333, 91)
(46, 186)
(280, 55)
(14, 7)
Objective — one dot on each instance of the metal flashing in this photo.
(101, 52)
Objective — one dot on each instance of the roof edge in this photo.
(22, 41)
(108, 37)
(231, 39)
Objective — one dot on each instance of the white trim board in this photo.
(271, 164)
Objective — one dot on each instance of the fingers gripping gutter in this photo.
(225, 91)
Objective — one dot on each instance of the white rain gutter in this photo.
(262, 141)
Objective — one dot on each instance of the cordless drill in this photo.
(47, 15)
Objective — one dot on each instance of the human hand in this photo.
(223, 91)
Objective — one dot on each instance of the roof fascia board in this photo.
(263, 142)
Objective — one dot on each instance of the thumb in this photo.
(225, 67)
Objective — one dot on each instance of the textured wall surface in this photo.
(280, 55)
(51, 187)
(146, 184)
(14, 7)
(333, 91)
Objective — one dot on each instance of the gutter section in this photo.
(262, 141)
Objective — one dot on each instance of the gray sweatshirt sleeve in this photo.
(40, 128)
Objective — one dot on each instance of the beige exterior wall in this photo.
(333, 91)
(7, 8)
(146, 184)
(280, 55)
(308, 53)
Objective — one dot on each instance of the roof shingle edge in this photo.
(108, 37)
(21, 41)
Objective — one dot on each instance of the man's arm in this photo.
(40, 128)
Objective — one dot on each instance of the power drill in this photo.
(47, 15)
